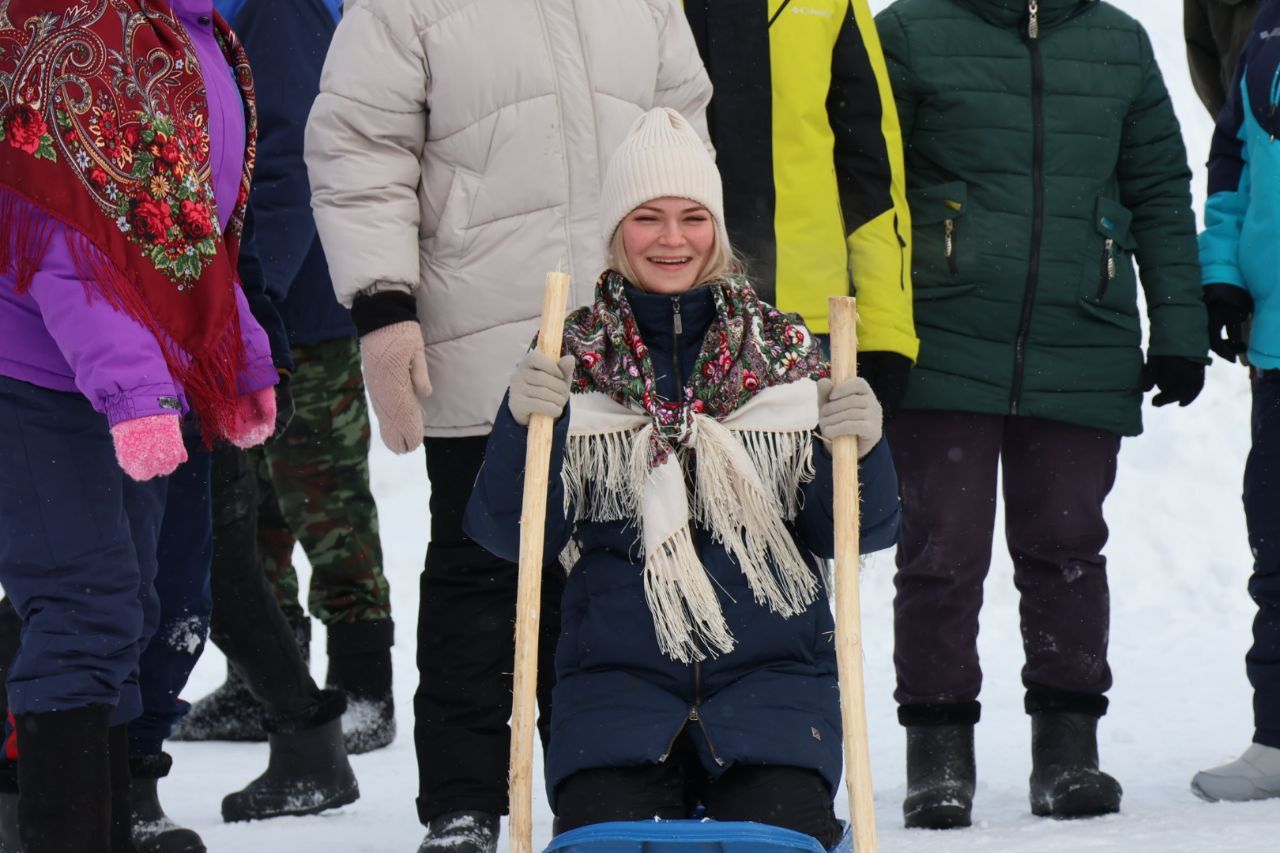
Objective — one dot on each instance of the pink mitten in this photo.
(150, 446)
(255, 418)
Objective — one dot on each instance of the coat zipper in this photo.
(677, 329)
(1108, 272)
(694, 717)
(949, 245)
(1037, 216)
(1033, 20)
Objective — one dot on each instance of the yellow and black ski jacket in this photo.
(808, 144)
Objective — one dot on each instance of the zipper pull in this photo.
(1111, 258)
(1033, 21)
(675, 310)
(693, 714)
(948, 236)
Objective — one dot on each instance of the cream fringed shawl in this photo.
(624, 461)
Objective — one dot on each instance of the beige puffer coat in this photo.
(456, 151)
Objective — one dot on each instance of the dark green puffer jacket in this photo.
(1038, 168)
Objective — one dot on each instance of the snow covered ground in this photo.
(1181, 620)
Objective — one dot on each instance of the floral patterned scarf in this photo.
(104, 127)
(744, 429)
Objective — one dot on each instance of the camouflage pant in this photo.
(319, 471)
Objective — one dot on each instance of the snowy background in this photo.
(1180, 627)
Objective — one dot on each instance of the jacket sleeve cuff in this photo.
(371, 312)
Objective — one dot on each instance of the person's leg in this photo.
(68, 517)
(276, 540)
(1056, 478)
(666, 791)
(183, 555)
(320, 472)
(1262, 515)
(466, 649)
(1255, 775)
(308, 770)
(794, 798)
(947, 464)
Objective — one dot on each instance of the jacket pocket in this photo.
(943, 250)
(1108, 285)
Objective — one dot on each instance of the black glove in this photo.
(284, 407)
(1179, 379)
(1229, 307)
(886, 372)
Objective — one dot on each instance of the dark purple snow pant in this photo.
(1055, 478)
(1262, 515)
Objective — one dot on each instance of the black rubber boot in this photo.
(308, 771)
(360, 666)
(1065, 779)
(153, 830)
(461, 832)
(231, 712)
(64, 780)
(941, 776)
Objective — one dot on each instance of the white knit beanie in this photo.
(662, 155)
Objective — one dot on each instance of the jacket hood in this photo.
(1013, 13)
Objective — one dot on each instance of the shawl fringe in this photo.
(28, 231)
(746, 488)
(686, 612)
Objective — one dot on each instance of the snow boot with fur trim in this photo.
(153, 830)
(1065, 779)
(462, 832)
(941, 777)
(360, 666)
(308, 771)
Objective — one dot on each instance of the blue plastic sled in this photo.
(690, 836)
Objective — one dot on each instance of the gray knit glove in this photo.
(850, 408)
(540, 386)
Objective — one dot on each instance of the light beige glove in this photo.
(540, 386)
(850, 408)
(394, 360)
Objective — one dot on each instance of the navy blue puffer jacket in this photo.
(619, 702)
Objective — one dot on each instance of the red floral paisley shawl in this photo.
(104, 127)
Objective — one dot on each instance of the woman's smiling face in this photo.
(668, 242)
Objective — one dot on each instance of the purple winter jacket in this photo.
(57, 338)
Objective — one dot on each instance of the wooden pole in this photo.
(529, 593)
(853, 710)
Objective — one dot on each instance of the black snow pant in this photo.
(466, 649)
(1262, 515)
(1055, 477)
(247, 623)
(795, 798)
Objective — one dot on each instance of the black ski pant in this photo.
(247, 623)
(795, 798)
(1055, 477)
(466, 649)
(1262, 516)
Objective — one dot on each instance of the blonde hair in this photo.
(722, 261)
